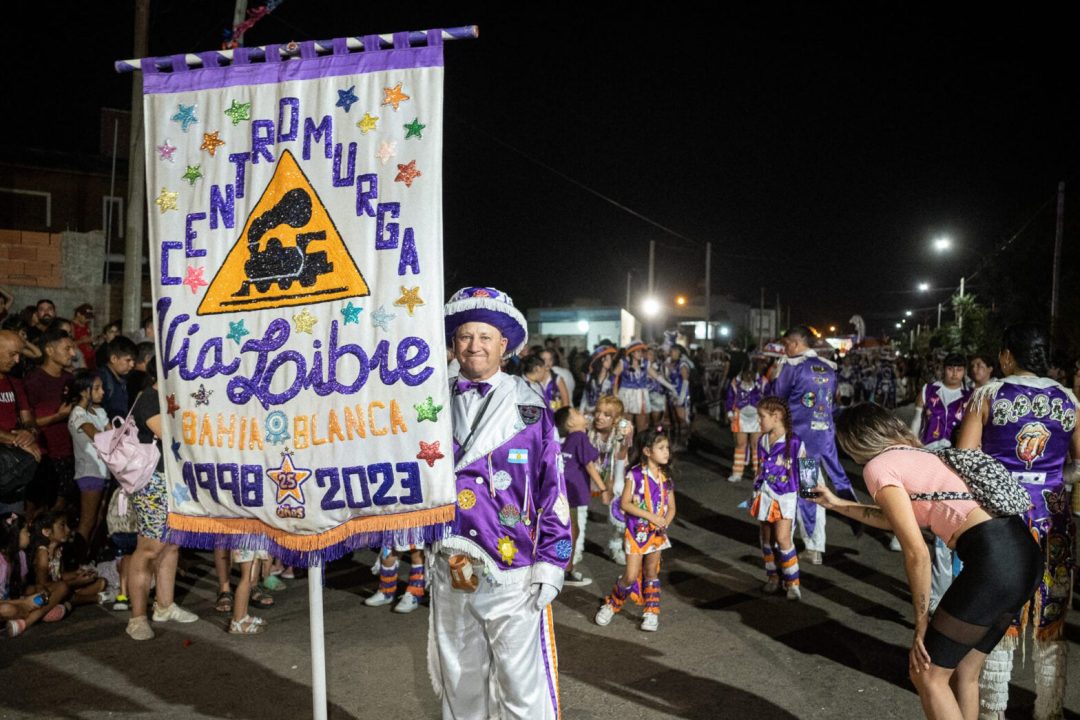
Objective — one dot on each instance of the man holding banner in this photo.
(491, 643)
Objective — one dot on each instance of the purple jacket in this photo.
(739, 396)
(807, 383)
(512, 510)
(1029, 430)
(939, 419)
(779, 468)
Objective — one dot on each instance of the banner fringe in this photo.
(411, 528)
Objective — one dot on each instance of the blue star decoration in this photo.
(185, 115)
(381, 319)
(176, 450)
(351, 313)
(237, 331)
(346, 98)
(181, 494)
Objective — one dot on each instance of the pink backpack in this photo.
(131, 462)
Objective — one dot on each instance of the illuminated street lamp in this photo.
(832, 328)
(942, 244)
(924, 287)
(583, 326)
(651, 307)
(907, 313)
(680, 300)
(898, 326)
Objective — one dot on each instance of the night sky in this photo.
(820, 148)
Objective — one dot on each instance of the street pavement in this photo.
(723, 648)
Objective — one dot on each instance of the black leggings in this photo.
(1002, 569)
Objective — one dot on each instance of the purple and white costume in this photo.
(942, 411)
(492, 651)
(807, 383)
(1029, 429)
(778, 480)
(634, 384)
(741, 404)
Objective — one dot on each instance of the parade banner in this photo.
(296, 257)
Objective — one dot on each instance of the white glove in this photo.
(543, 594)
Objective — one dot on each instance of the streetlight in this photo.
(680, 300)
(832, 328)
(942, 244)
(725, 331)
(924, 287)
(907, 313)
(898, 326)
(650, 306)
(583, 326)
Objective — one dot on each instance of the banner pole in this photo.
(468, 32)
(318, 644)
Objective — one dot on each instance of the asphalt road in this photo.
(723, 649)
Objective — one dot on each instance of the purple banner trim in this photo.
(297, 558)
(275, 72)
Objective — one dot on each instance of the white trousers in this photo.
(493, 651)
(816, 541)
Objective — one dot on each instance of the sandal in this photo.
(273, 584)
(261, 598)
(247, 625)
(224, 602)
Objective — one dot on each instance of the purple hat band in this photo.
(489, 306)
(515, 336)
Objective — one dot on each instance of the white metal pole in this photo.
(960, 309)
(708, 289)
(652, 261)
(318, 645)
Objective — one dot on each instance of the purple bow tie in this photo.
(464, 386)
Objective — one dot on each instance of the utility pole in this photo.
(939, 316)
(652, 264)
(1058, 232)
(708, 296)
(136, 200)
(761, 321)
(960, 308)
(628, 274)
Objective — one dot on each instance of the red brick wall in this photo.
(30, 258)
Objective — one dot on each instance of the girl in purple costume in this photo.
(631, 377)
(648, 499)
(610, 433)
(744, 392)
(600, 381)
(1027, 421)
(775, 502)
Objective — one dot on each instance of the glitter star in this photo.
(194, 278)
(410, 298)
(211, 142)
(351, 313)
(289, 480)
(176, 451)
(165, 151)
(346, 98)
(304, 322)
(394, 96)
(407, 173)
(185, 115)
(414, 129)
(194, 172)
(367, 123)
(238, 111)
(381, 319)
(427, 410)
(237, 331)
(173, 405)
(429, 453)
(202, 397)
(387, 150)
(166, 200)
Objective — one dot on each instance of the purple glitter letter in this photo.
(223, 206)
(346, 181)
(380, 218)
(364, 197)
(323, 132)
(408, 258)
(190, 235)
(262, 137)
(294, 119)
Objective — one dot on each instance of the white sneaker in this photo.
(734, 478)
(815, 557)
(106, 596)
(604, 615)
(379, 599)
(576, 579)
(650, 622)
(139, 628)
(794, 593)
(406, 604)
(894, 544)
(173, 613)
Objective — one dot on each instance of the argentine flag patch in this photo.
(518, 457)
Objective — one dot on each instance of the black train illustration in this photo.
(277, 263)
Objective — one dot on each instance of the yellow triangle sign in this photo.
(290, 252)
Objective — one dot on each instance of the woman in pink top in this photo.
(1002, 562)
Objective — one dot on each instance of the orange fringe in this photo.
(309, 543)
